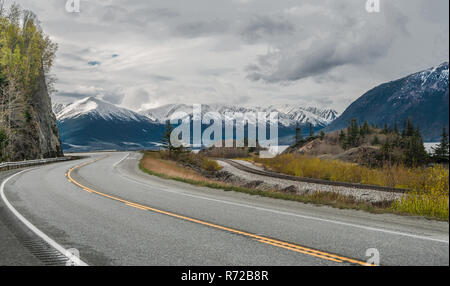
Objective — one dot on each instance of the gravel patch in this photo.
(233, 175)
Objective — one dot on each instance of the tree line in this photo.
(405, 146)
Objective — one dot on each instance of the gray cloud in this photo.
(353, 40)
(261, 26)
(201, 28)
(264, 52)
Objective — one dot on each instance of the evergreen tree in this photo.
(396, 129)
(415, 153)
(387, 151)
(311, 130)
(404, 129)
(375, 141)
(385, 129)
(353, 133)
(298, 134)
(322, 135)
(366, 128)
(343, 139)
(165, 140)
(409, 128)
(441, 151)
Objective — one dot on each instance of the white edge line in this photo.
(120, 161)
(38, 232)
(296, 215)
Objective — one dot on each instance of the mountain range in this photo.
(92, 124)
(422, 97)
(289, 115)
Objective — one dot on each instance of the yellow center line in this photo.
(261, 239)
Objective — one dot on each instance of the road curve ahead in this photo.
(116, 215)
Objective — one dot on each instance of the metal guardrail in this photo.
(313, 181)
(28, 163)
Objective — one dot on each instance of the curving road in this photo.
(116, 215)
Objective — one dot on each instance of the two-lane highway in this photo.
(116, 215)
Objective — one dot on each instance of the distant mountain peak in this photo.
(94, 107)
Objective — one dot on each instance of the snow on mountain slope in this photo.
(95, 108)
(422, 97)
(289, 115)
(92, 124)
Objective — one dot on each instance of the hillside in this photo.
(28, 128)
(423, 97)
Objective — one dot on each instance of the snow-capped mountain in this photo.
(289, 115)
(95, 108)
(423, 97)
(92, 124)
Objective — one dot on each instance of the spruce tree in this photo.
(343, 139)
(441, 151)
(298, 134)
(415, 153)
(322, 135)
(165, 140)
(366, 128)
(353, 133)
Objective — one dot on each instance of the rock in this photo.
(34, 132)
(291, 189)
(253, 184)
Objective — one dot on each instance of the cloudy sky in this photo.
(144, 53)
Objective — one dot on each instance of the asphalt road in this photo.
(180, 224)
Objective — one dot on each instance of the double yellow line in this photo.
(262, 239)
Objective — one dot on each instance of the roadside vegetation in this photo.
(429, 185)
(403, 159)
(156, 163)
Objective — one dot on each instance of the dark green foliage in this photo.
(353, 134)
(27, 116)
(441, 152)
(322, 135)
(407, 149)
(3, 143)
(343, 139)
(298, 134)
(165, 140)
(375, 141)
(415, 154)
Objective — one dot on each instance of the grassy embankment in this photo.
(429, 186)
(157, 164)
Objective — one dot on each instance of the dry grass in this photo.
(152, 161)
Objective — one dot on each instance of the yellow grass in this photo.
(429, 186)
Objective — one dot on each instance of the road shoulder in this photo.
(13, 234)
